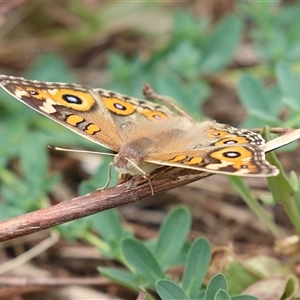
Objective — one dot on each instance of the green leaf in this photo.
(172, 236)
(141, 260)
(243, 297)
(222, 295)
(76, 229)
(255, 99)
(108, 223)
(215, 284)
(289, 85)
(190, 95)
(239, 277)
(187, 27)
(109, 226)
(252, 94)
(282, 189)
(122, 277)
(245, 192)
(184, 59)
(168, 290)
(198, 261)
(292, 287)
(220, 46)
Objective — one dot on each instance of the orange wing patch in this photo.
(118, 106)
(77, 100)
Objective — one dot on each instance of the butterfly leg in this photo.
(108, 177)
(145, 175)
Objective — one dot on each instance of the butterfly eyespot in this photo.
(33, 92)
(230, 142)
(157, 117)
(75, 99)
(72, 99)
(232, 154)
(153, 115)
(118, 106)
(250, 167)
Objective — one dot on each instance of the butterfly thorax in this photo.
(130, 159)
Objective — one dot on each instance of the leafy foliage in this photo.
(275, 29)
(148, 264)
(196, 47)
(175, 70)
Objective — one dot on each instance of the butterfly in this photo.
(144, 135)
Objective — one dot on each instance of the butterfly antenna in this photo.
(90, 152)
(79, 151)
(149, 93)
(144, 174)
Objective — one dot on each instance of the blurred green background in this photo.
(233, 61)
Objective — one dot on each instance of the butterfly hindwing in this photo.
(220, 148)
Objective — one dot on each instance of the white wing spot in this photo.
(20, 93)
(216, 167)
(52, 91)
(47, 106)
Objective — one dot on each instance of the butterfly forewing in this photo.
(125, 109)
(71, 105)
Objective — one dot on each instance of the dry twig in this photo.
(135, 189)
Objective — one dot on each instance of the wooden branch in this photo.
(135, 189)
